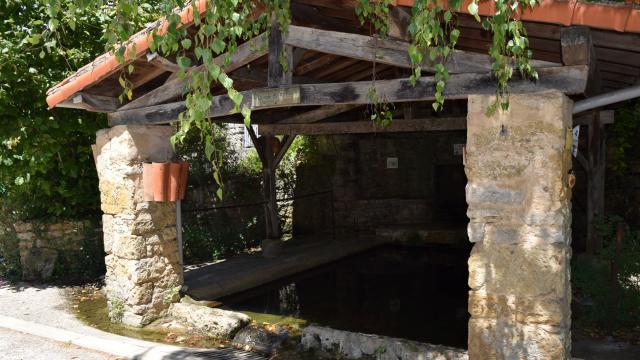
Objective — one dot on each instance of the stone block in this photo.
(490, 339)
(21, 227)
(339, 344)
(522, 309)
(129, 247)
(211, 321)
(523, 269)
(38, 263)
(26, 236)
(141, 295)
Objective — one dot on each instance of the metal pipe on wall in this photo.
(606, 99)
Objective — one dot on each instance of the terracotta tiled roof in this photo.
(621, 17)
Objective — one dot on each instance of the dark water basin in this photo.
(411, 292)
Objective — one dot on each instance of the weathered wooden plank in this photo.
(247, 271)
(567, 79)
(163, 63)
(366, 127)
(385, 51)
(318, 114)
(243, 55)
(90, 102)
(586, 119)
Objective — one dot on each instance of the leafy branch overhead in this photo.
(221, 25)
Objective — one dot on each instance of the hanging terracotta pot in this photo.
(174, 180)
(160, 179)
(147, 182)
(184, 174)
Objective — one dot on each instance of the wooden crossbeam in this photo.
(586, 119)
(567, 79)
(318, 114)
(366, 127)
(244, 54)
(385, 51)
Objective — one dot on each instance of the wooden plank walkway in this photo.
(247, 271)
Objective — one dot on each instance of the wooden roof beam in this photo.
(385, 51)
(90, 102)
(567, 79)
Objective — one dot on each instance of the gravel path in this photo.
(18, 346)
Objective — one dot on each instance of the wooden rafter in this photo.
(244, 54)
(567, 79)
(161, 62)
(385, 51)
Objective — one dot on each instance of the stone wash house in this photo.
(511, 174)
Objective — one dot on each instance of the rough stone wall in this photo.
(520, 221)
(142, 262)
(42, 245)
(368, 194)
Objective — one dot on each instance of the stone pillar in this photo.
(143, 270)
(517, 164)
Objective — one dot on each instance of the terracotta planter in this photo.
(633, 22)
(184, 174)
(551, 11)
(160, 181)
(603, 16)
(164, 181)
(147, 182)
(175, 170)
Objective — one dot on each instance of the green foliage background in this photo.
(46, 165)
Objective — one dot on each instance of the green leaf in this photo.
(186, 44)
(218, 46)
(208, 150)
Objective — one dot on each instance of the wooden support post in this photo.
(279, 74)
(595, 182)
(280, 57)
(269, 189)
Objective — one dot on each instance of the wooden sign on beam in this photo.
(275, 97)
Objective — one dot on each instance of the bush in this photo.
(10, 268)
(591, 276)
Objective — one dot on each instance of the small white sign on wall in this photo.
(458, 149)
(392, 163)
(576, 140)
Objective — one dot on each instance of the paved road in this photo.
(19, 346)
